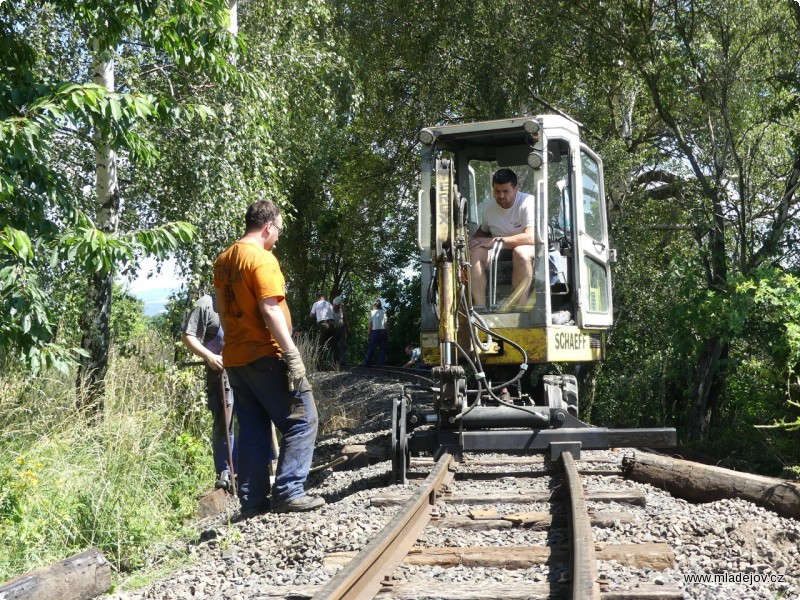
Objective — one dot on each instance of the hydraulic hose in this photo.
(478, 369)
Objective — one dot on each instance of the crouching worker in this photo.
(265, 368)
(415, 357)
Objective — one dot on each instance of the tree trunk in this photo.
(706, 390)
(80, 577)
(706, 483)
(96, 333)
(233, 8)
(96, 341)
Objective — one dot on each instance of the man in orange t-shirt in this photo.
(265, 368)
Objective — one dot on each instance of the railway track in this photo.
(495, 526)
(437, 503)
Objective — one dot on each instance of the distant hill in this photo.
(153, 285)
(154, 299)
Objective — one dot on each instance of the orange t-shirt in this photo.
(244, 275)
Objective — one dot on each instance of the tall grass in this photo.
(308, 345)
(124, 480)
(71, 479)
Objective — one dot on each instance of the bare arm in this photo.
(526, 238)
(479, 238)
(214, 361)
(275, 320)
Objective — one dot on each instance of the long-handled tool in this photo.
(227, 410)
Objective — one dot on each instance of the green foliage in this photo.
(27, 324)
(51, 122)
(169, 322)
(27, 330)
(128, 323)
(403, 296)
(123, 484)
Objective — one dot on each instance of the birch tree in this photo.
(51, 115)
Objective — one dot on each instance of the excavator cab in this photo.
(568, 308)
(483, 343)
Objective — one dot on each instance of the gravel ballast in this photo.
(754, 553)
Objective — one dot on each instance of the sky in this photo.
(155, 290)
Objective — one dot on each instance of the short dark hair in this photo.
(259, 214)
(502, 176)
(320, 295)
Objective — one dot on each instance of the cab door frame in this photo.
(595, 307)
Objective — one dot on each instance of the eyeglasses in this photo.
(278, 227)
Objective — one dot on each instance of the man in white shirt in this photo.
(378, 334)
(323, 312)
(511, 218)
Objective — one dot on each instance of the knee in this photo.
(523, 253)
(479, 256)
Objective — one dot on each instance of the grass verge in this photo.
(121, 481)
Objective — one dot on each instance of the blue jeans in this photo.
(378, 338)
(219, 445)
(263, 398)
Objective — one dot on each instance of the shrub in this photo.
(70, 480)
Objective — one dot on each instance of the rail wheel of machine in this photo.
(399, 448)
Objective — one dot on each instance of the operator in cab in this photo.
(511, 219)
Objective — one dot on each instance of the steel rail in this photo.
(416, 376)
(585, 585)
(362, 577)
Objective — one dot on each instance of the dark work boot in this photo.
(224, 481)
(301, 504)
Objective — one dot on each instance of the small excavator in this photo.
(488, 397)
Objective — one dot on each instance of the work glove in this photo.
(296, 370)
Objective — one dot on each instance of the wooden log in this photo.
(640, 556)
(515, 590)
(534, 460)
(521, 476)
(631, 497)
(459, 522)
(357, 458)
(657, 555)
(78, 577)
(609, 518)
(705, 483)
(286, 592)
(645, 591)
(522, 590)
